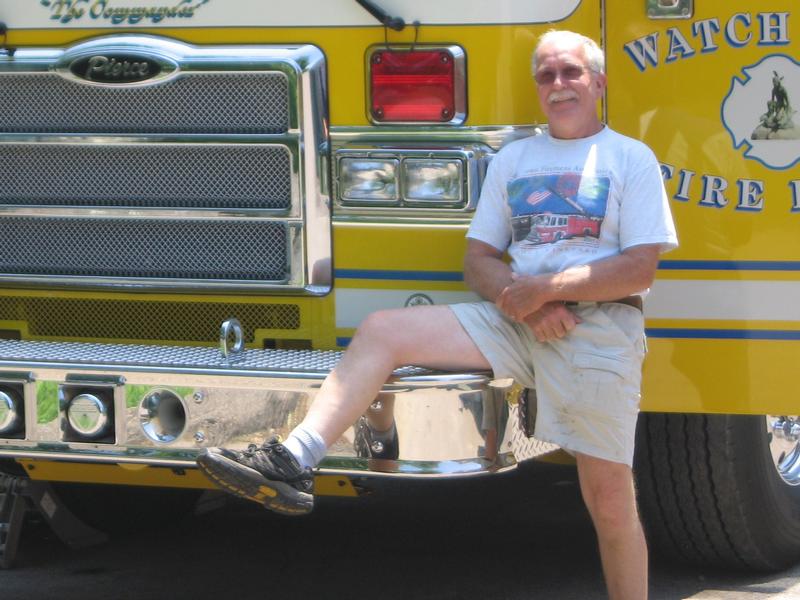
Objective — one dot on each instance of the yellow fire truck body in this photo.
(203, 199)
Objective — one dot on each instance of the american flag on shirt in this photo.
(538, 196)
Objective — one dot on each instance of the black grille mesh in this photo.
(146, 175)
(238, 103)
(117, 320)
(173, 248)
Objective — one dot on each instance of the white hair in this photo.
(595, 59)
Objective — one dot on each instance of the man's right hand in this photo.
(552, 321)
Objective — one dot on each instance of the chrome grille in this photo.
(147, 175)
(219, 103)
(180, 249)
(206, 176)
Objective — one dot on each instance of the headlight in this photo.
(381, 178)
(432, 180)
(368, 180)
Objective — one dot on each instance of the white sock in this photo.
(306, 445)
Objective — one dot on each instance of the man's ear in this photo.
(600, 81)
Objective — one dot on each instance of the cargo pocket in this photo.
(605, 385)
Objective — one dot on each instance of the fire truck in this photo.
(201, 200)
(551, 227)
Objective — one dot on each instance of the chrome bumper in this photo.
(448, 423)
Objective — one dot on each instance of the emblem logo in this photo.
(115, 68)
(760, 111)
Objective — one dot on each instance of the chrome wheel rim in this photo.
(784, 445)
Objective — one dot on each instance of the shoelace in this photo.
(251, 450)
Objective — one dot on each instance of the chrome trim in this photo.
(231, 326)
(348, 467)
(493, 136)
(459, 82)
(160, 427)
(669, 9)
(783, 432)
(309, 245)
(169, 66)
(448, 423)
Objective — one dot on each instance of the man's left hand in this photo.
(552, 322)
(525, 295)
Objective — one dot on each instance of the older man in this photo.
(583, 214)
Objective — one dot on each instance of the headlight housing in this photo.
(446, 179)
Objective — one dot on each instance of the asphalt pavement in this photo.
(524, 535)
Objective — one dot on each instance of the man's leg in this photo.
(278, 475)
(427, 336)
(608, 491)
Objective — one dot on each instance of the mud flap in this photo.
(18, 497)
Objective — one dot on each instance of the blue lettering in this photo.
(706, 29)
(678, 43)
(683, 185)
(730, 30)
(780, 29)
(713, 191)
(750, 195)
(794, 184)
(644, 50)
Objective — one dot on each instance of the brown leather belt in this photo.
(634, 301)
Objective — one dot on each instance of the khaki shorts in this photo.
(587, 383)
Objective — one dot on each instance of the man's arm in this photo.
(607, 279)
(488, 275)
(485, 272)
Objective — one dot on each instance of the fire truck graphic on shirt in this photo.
(546, 209)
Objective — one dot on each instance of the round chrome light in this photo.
(88, 415)
(162, 415)
(10, 413)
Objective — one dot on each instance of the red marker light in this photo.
(412, 86)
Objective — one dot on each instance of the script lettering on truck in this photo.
(65, 11)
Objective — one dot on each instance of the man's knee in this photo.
(390, 329)
(378, 329)
(608, 491)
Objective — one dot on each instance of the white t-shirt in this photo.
(555, 204)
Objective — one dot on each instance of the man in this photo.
(583, 213)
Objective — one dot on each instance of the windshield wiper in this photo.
(396, 23)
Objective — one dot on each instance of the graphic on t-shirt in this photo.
(550, 208)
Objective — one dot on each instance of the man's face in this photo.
(568, 90)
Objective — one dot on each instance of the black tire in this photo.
(710, 494)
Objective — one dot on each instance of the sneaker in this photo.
(369, 443)
(269, 475)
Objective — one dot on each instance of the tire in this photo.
(710, 494)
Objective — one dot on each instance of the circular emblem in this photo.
(419, 300)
